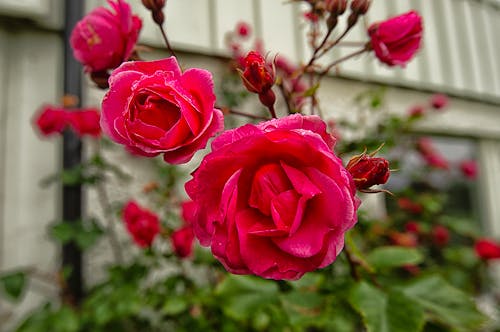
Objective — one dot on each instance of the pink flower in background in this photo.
(431, 155)
(439, 101)
(182, 239)
(85, 122)
(416, 111)
(469, 169)
(50, 120)
(105, 38)
(142, 224)
(487, 249)
(152, 108)
(396, 40)
(272, 199)
(243, 29)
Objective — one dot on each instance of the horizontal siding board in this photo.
(227, 14)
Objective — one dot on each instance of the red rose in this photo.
(85, 122)
(142, 224)
(105, 38)
(272, 199)
(51, 120)
(368, 171)
(413, 227)
(487, 249)
(182, 239)
(152, 108)
(396, 40)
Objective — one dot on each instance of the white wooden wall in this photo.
(30, 75)
(460, 55)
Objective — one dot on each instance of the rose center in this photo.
(154, 111)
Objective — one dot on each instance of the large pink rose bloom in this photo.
(152, 107)
(105, 38)
(396, 40)
(272, 199)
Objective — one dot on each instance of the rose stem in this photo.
(347, 57)
(165, 39)
(352, 264)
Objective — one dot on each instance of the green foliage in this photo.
(84, 233)
(13, 284)
(393, 256)
(445, 304)
(390, 311)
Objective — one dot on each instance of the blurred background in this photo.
(460, 58)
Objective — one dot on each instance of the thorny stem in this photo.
(272, 111)
(165, 39)
(106, 209)
(317, 49)
(286, 97)
(338, 61)
(352, 264)
(227, 110)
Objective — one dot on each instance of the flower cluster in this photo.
(51, 120)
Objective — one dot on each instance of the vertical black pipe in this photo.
(72, 156)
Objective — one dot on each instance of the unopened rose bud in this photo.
(336, 7)
(257, 76)
(440, 235)
(154, 5)
(368, 171)
(331, 22)
(267, 98)
(158, 17)
(360, 7)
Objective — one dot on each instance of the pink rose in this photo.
(142, 224)
(85, 122)
(439, 101)
(50, 120)
(396, 40)
(152, 108)
(105, 38)
(272, 199)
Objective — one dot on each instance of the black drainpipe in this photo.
(72, 156)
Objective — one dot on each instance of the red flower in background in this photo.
(439, 101)
(413, 227)
(85, 122)
(409, 240)
(430, 154)
(396, 40)
(487, 249)
(142, 224)
(105, 38)
(408, 205)
(469, 169)
(183, 238)
(243, 29)
(440, 235)
(51, 120)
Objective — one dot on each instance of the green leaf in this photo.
(174, 305)
(88, 234)
(243, 296)
(14, 284)
(394, 256)
(382, 312)
(445, 303)
(302, 307)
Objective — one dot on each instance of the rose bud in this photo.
(51, 120)
(142, 224)
(416, 111)
(105, 38)
(487, 249)
(413, 227)
(243, 29)
(257, 76)
(368, 171)
(396, 40)
(360, 7)
(154, 4)
(336, 7)
(440, 235)
(182, 241)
